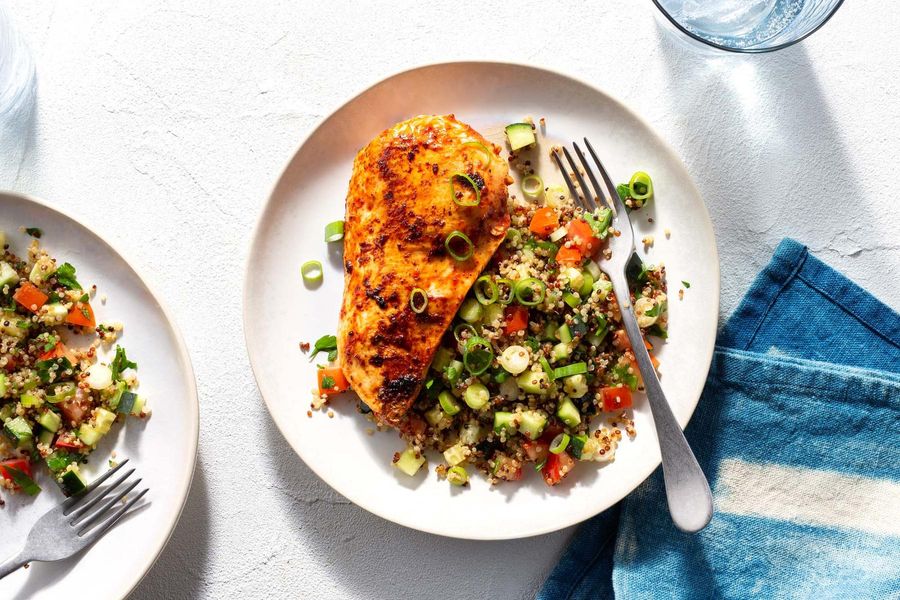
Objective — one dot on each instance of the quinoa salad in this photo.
(58, 396)
(535, 370)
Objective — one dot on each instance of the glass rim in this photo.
(706, 42)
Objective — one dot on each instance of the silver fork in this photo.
(687, 491)
(76, 523)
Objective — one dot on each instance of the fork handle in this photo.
(687, 491)
(11, 564)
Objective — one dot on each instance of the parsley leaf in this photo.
(120, 363)
(65, 275)
(34, 232)
(328, 383)
(686, 284)
(332, 355)
(623, 190)
(620, 373)
(326, 343)
(84, 298)
(43, 368)
(23, 481)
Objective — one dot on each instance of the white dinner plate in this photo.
(280, 312)
(162, 448)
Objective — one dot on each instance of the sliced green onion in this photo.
(457, 331)
(510, 286)
(573, 369)
(484, 149)
(571, 299)
(514, 359)
(311, 271)
(532, 187)
(513, 235)
(493, 292)
(531, 291)
(61, 392)
(448, 403)
(641, 186)
(457, 475)
(334, 231)
(546, 366)
(558, 234)
(418, 300)
(453, 372)
(471, 182)
(587, 286)
(477, 355)
(477, 396)
(451, 241)
(560, 443)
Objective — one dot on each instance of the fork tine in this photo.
(103, 509)
(69, 503)
(103, 528)
(589, 203)
(569, 183)
(84, 508)
(617, 205)
(590, 173)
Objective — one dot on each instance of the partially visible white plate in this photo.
(279, 312)
(163, 448)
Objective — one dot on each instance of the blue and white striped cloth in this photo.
(798, 431)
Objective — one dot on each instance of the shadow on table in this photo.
(757, 135)
(374, 558)
(177, 572)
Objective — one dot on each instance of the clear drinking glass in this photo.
(748, 25)
(17, 76)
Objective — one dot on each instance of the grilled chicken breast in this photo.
(403, 203)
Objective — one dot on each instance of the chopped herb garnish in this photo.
(23, 481)
(623, 190)
(84, 298)
(621, 373)
(53, 298)
(34, 232)
(328, 383)
(43, 367)
(65, 276)
(657, 309)
(332, 355)
(686, 284)
(120, 363)
(23, 324)
(326, 343)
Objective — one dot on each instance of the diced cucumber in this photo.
(575, 385)
(470, 434)
(603, 287)
(138, 407)
(448, 403)
(9, 325)
(520, 135)
(477, 396)
(408, 462)
(505, 421)
(50, 421)
(471, 311)
(8, 275)
(18, 429)
(453, 372)
(568, 413)
(71, 480)
(2, 384)
(564, 334)
(30, 400)
(45, 437)
(561, 351)
(493, 313)
(104, 420)
(575, 277)
(577, 444)
(43, 268)
(549, 333)
(456, 454)
(532, 423)
(56, 311)
(126, 402)
(457, 475)
(89, 434)
(532, 382)
(7, 411)
(434, 415)
(587, 286)
(441, 359)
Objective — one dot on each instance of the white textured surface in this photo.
(164, 124)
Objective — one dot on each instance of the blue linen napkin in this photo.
(798, 431)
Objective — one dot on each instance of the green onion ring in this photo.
(334, 231)
(457, 331)
(418, 306)
(459, 235)
(532, 187)
(560, 443)
(642, 179)
(573, 369)
(483, 148)
(492, 288)
(311, 271)
(535, 288)
(511, 286)
(472, 353)
(470, 182)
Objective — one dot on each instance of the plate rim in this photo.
(255, 238)
(184, 356)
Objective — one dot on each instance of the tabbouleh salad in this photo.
(57, 397)
(537, 350)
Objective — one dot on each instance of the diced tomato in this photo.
(82, 315)
(621, 341)
(67, 441)
(57, 351)
(582, 236)
(76, 408)
(516, 319)
(615, 398)
(20, 464)
(569, 256)
(557, 467)
(31, 298)
(632, 361)
(536, 450)
(11, 364)
(340, 383)
(544, 222)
